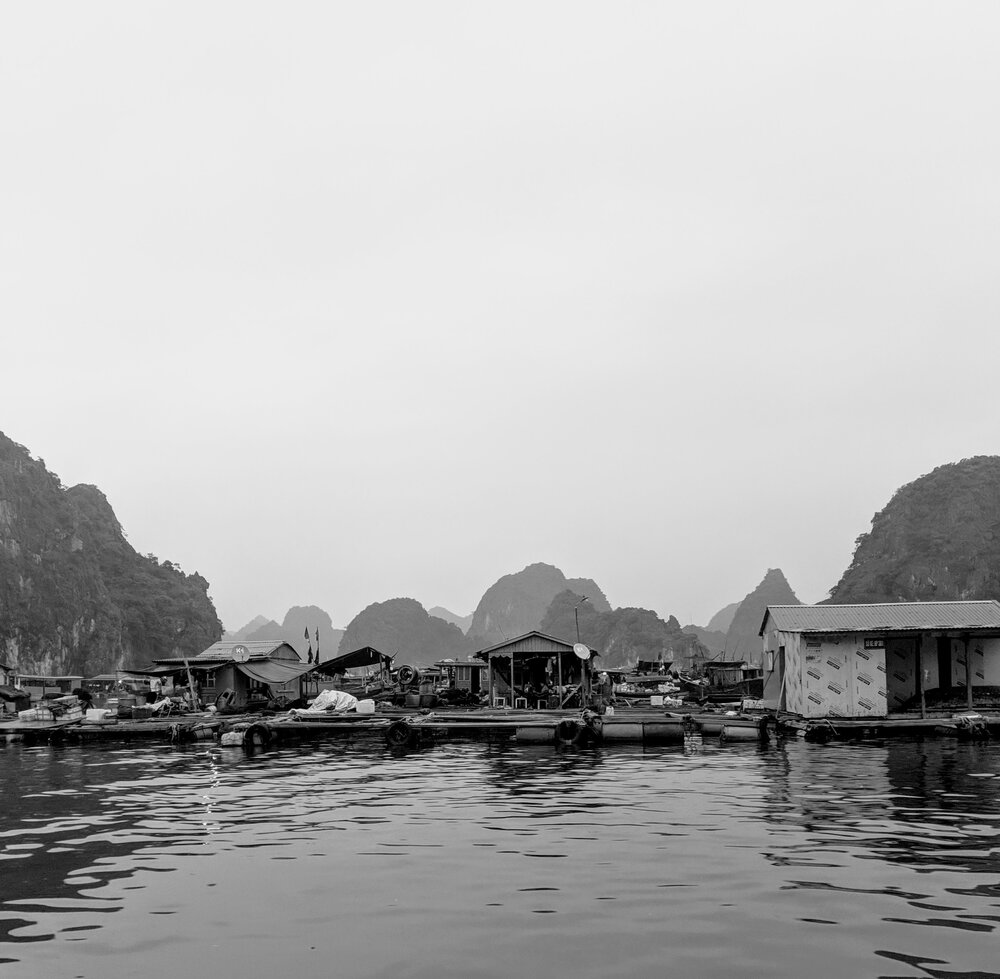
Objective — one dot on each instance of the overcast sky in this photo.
(344, 302)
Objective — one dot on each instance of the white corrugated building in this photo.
(874, 660)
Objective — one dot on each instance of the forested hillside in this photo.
(622, 635)
(75, 596)
(517, 603)
(937, 538)
(402, 628)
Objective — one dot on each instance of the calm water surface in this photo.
(472, 859)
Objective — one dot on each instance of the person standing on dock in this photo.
(605, 691)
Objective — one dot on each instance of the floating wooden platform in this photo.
(401, 727)
(18, 730)
(911, 723)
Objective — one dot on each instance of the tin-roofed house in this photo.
(12, 699)
(240, 672)
(536, 670)
(466, 675)
(880, 659)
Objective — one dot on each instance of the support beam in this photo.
(968, 673)
(920, 676)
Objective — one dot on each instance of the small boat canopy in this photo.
(366, 656)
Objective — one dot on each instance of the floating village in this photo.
(823, 672)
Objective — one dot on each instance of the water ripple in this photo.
(495, 859)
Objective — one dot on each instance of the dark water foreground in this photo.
(476, 859)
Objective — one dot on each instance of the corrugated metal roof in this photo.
(258, 649)
(884, 617)
(111, 677)
(222, 653)
(531, 643)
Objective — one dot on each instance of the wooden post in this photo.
(489, 670)
(191, 687)
(968, 673)
(512, 679)
(920, 676)
(559, 667)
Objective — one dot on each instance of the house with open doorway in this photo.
(238, 672)
(536, 670)
(882, 659)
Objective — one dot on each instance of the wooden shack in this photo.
(536, 670)
(40, 687)
(467, 675)
(244, 671)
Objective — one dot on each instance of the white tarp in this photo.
(330, 702)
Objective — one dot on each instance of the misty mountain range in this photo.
(306, 627)
(76, 598)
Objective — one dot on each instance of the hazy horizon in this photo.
(340, 304)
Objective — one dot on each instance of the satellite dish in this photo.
(240, 654)
(581, 651)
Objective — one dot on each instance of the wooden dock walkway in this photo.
(400, 727)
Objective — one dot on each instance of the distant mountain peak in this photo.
(402, 627)
(623, 636)
(743, 639)
(252, 626)
(462, 621)
(516, 603)
(298, 620)
(723, 619)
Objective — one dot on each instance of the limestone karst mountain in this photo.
(742, 639)
(723, 619)
(714, 641)
(517, 603)
(298, 620)
(937, 538)
(402, 627)
(257, 622)
(714, 635)
(75, 597)
(462, 621)
(622, 636)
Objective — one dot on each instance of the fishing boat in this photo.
(728, 682)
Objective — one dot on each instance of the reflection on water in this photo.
(487, 859)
